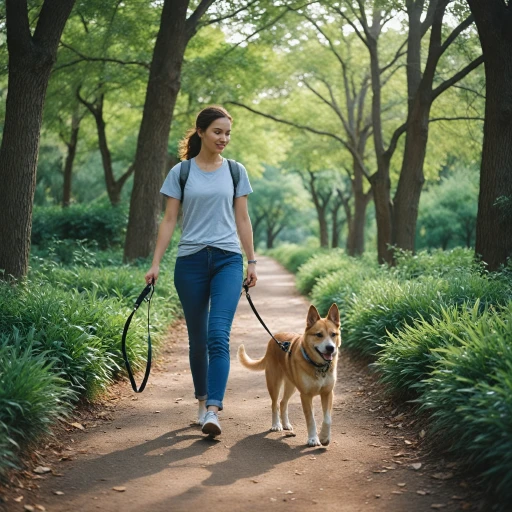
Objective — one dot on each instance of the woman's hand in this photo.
(251, 275)
(152, 274)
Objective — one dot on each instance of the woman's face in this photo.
(216, 137)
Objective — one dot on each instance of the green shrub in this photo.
(320, 265)
(342, 287)
(32, 394)
(436, 263)
(386, 305)
(102, 223)
(408, 357)
(469, 396)
(293, 256)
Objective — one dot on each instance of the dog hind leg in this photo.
(274, 382)
(289, 389)
(307, 407)
(325, 432)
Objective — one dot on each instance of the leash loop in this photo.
(283, 345)
(145, 296)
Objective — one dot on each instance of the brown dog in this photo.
(310, 367)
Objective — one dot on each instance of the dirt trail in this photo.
(147, 445)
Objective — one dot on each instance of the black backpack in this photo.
(234, 169)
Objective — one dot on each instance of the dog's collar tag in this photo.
(320, 368)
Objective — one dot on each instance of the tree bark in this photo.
(321, 208)
(493, 230)
(151, 155)
(31, 58)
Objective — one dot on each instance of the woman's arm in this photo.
(244, 227)
(165, 232)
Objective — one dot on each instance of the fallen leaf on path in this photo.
(443, 475)
(437, 506)
(78, 426)
(58, 493)
(401, 484)
(40, 507)
(119, 489)
(41, 470)
(254, 481)
(416, 466)
(422, 434)
(30, 508)
(422, 493)
(19, 499)
(289, 492)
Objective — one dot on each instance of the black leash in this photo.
(283, 345)
(149, 290)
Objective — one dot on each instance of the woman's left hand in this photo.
(251, 275)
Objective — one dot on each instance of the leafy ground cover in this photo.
(437, 329)
(60, 336)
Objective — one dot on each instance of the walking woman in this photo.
(209, 267)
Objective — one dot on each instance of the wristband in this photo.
(251, 261)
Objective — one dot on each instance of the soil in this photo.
(144, 453)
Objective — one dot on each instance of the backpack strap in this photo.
(184, 172)
(234, 169)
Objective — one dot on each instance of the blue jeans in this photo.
(209, 283)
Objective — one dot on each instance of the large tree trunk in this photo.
(357, 222)
(70, 158)
(31, 58)
(493, 230)
(151, 156)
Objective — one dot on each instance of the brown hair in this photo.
(190, 145)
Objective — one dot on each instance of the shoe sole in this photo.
(211, 429)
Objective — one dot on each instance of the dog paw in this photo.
(277, 427)
(314, 441)
(325, 441)
(287, 426)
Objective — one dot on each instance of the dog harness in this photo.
(320, 368)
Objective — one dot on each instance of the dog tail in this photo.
(255, 365)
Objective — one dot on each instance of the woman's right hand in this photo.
(152, 274)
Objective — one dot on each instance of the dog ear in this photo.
(334, 315)
(313, 317)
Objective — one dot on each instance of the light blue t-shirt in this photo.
(208, 213)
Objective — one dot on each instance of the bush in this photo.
(436, 263)
(408, 357)
(469, 396)
(386, 305)
(101, 223)
(32, 395)
(293, 256)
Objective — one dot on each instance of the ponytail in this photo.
(190, 145)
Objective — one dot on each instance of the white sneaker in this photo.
(211, 425)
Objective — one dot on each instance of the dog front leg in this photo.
(325, 432)
(307, 407)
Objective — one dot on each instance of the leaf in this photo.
(19, 499)
(78, 425)
(416, 466)
(119, 489)
(58, 493)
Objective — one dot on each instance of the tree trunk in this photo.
(381, 186)
(493, 230)
(31, 58)
(70, 158)
(357, 222)
(151, 155)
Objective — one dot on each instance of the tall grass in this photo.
(60, 338)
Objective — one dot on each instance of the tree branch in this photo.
(455, 78)
(18, 26)
(230, 15)
(193, 20)
(455, 33)
(460, 118)
(85, 58)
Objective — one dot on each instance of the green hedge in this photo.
(101, 223)
(293, 256)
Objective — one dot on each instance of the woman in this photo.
(209, 267)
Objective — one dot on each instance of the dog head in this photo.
(322, 336)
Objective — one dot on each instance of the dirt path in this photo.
(146, 444)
